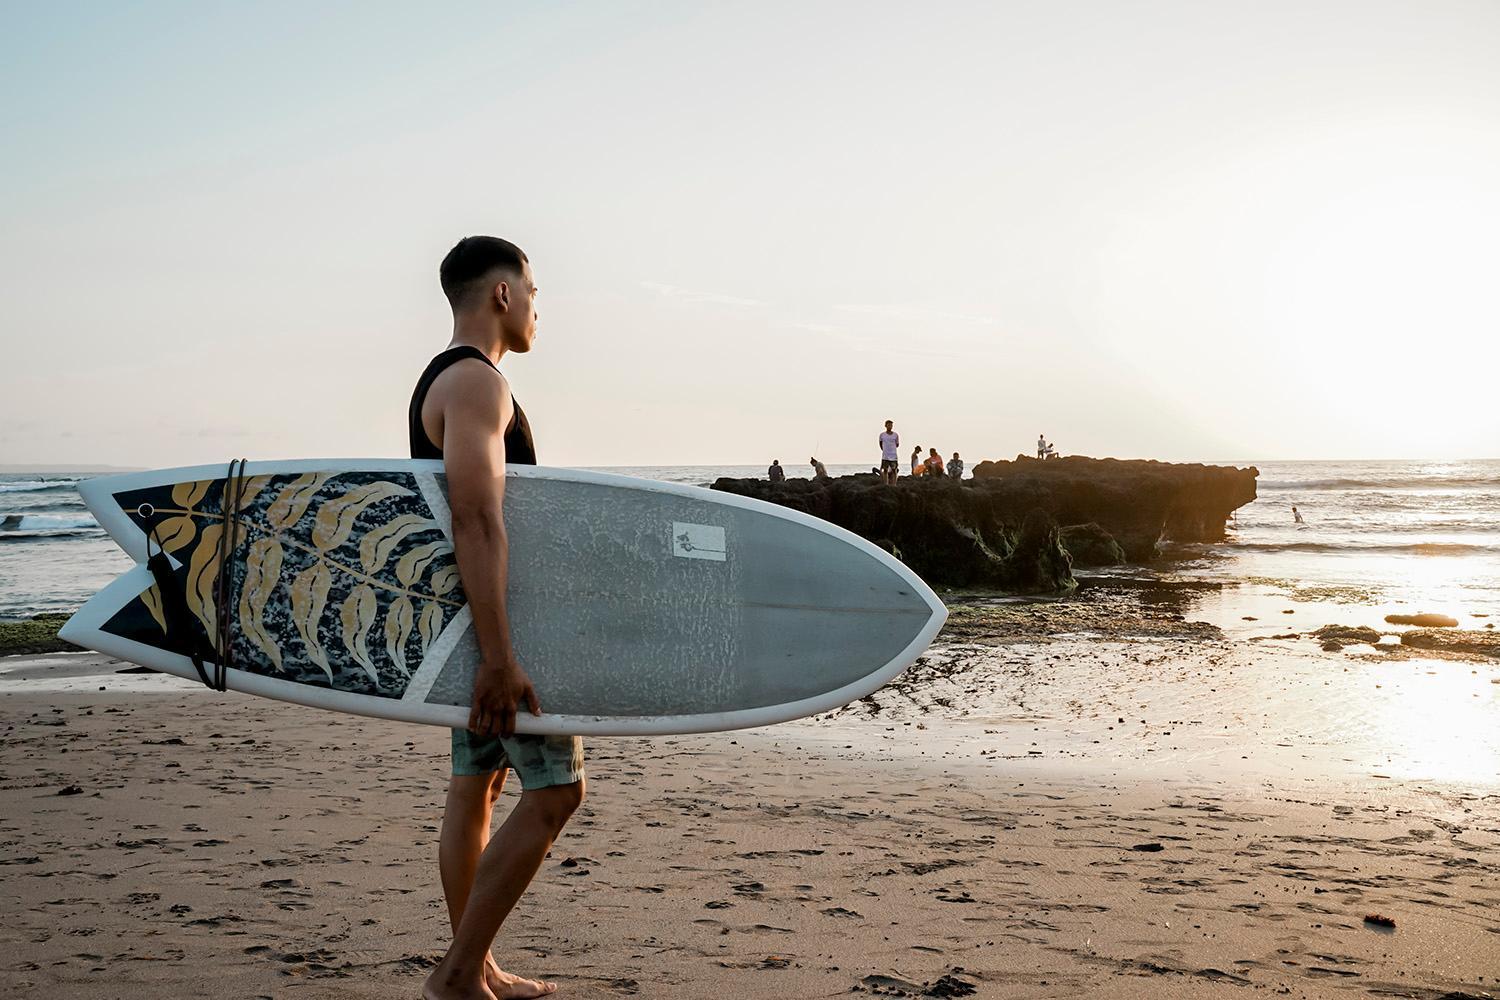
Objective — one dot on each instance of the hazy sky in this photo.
(1189, 230)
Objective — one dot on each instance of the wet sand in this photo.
(1045, 815)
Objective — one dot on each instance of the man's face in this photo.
(519, 317)
(889, 425)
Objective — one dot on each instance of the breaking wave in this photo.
(1403, 483)
(14, 527)
(39, 485)
(1398, 548)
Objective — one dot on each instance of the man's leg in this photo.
(466, 833)
(505, 869)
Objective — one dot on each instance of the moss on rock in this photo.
(35, 635)
(1091, 545)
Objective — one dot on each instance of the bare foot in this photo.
(441, 984)
(506, 986)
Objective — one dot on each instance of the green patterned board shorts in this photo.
(539, 761)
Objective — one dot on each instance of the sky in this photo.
(1185, 231)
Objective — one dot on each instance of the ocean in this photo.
(1377, 538)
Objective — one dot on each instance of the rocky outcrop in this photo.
(948, 533)
(1000, 529)
(1091, 545)
(1139, 503)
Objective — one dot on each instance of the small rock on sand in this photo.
(1423, 620)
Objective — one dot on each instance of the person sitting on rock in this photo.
(917, 468)
(819, 472)
(934, 463)
(776, 473)
(956, 466)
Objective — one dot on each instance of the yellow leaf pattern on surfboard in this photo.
(343, 579)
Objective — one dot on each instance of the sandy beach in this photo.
(1157, 811)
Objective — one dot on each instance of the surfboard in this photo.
(636, 607)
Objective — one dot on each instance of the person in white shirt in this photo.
(890, 457)
(819, 472)
(1041, 446)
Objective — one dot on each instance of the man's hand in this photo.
(499, 690)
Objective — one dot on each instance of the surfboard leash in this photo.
(224, 588)
(174, 606)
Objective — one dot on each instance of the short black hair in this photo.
(471, 259)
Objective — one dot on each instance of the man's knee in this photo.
(557, 803)
(470, 797)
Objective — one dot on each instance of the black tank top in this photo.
(519, 449)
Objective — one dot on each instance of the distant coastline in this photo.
(42, 469)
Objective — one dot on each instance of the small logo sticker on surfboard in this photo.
(698, 541)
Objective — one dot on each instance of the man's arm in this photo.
(475, 413)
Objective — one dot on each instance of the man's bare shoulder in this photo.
(470, 384)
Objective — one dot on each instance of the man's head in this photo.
(889, 424)
(955, 454)
(492, 277)
(775, 461)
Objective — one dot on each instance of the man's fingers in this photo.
(531, 700)
(508, 721)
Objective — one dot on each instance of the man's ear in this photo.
(502, 295)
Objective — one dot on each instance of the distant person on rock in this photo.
(1041, 446)
(890, 455)
(917, 468)
(819, 472)
(776, 473)
(934, 463)
(956, 466)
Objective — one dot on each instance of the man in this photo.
(1041, 446)
(462, 412)
(776, 473)
(956, 466)
(819, 471)
(934, 463)
(917, 466)
(890, 456)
